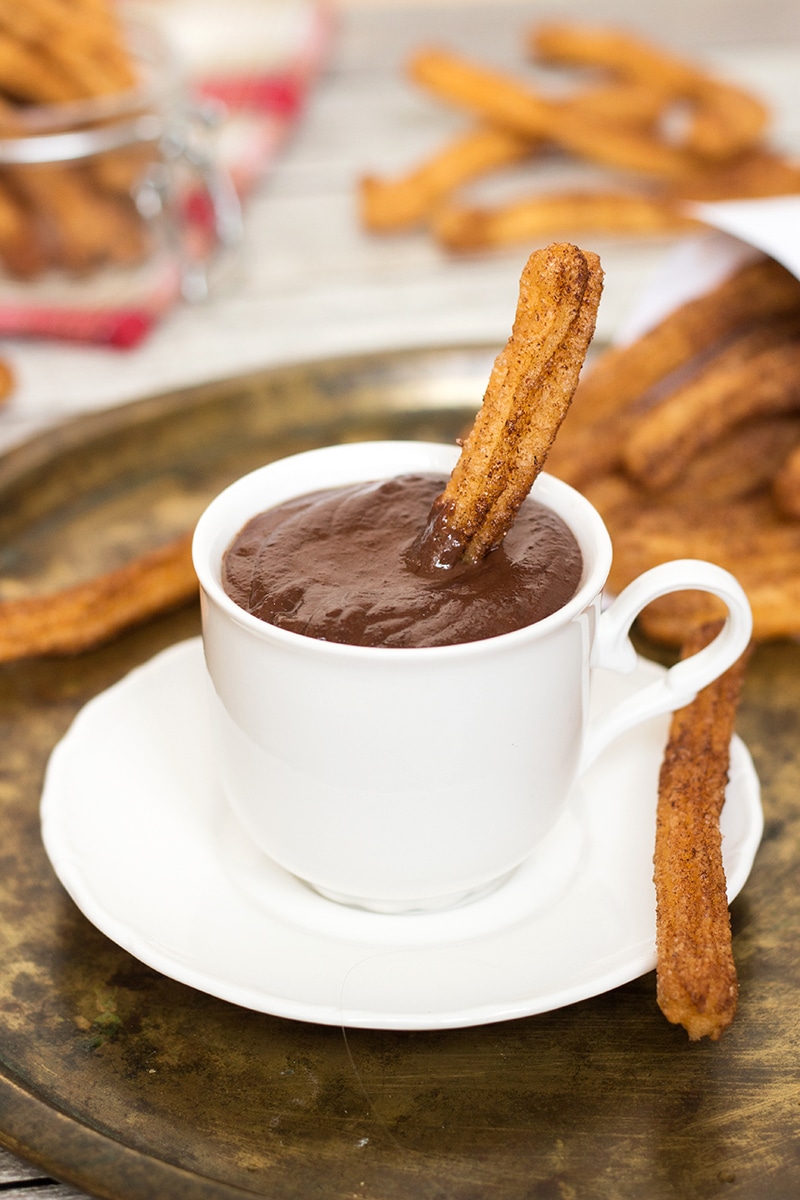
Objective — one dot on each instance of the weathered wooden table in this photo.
(130, 1085)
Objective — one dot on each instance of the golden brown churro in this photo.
(21, 247)
(87, 226)
(7, 380)
(747, 536)
(741, 462)
(786, 486)
(696, 974)
(90, 613)
(749, 176)
(406, 200)
(83, 51)
(410, 198)
(464, 227)
(724, 121)
(677, 132)
(686, 441)
(528, 394)
(494, 96)
(590, 441)
(738, 385)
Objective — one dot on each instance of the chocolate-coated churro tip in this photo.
(529, 392)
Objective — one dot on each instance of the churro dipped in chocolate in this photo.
(528, 395)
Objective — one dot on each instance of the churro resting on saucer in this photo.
(697, 985)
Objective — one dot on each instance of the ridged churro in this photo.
(81, 617)
(659, 130)
(391, 203)
(724, 120)
(590, 443)
(494, 96)
(464, 227)
(697, 985)
(786, 485)
(529, 392)
(687, 440)
(51, 51)
(757, 375)
(747, 536)
(408, 199)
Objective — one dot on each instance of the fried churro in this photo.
(697, 985)
(786, 485)
(672, 129)
(590, 442)
(464, 227)
(88, 614)
(29, 75)
(21, 247)
(86, 226)
(747, 536)
(407, 200)
(739, 463)
(724, 121)
(687, 440)
(738, 385)
(411, 198)
(496, 97)
(528, 394)
(753, 175)
(7, 380)
(69, 55)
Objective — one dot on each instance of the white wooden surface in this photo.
(311, 284)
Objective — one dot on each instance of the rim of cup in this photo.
(356, 462)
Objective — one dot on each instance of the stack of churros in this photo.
(688, 442)
(75, 215)
(662, 131)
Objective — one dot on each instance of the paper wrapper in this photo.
(740, 231)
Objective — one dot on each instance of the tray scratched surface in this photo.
(130, 1085)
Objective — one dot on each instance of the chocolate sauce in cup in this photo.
(339, 565)
(410, 778)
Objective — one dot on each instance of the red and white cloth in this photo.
(259, 60)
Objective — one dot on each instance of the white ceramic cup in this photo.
(404, 779)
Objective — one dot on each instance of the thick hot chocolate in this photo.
(336, 565)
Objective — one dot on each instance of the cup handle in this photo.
(614, 651)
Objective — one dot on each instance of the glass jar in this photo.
(116, 200)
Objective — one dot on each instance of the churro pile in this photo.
(688, 442)
(77, 215)
(662, 131)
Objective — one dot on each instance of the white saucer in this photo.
(143, 841)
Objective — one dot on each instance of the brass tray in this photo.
(130, 1085)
